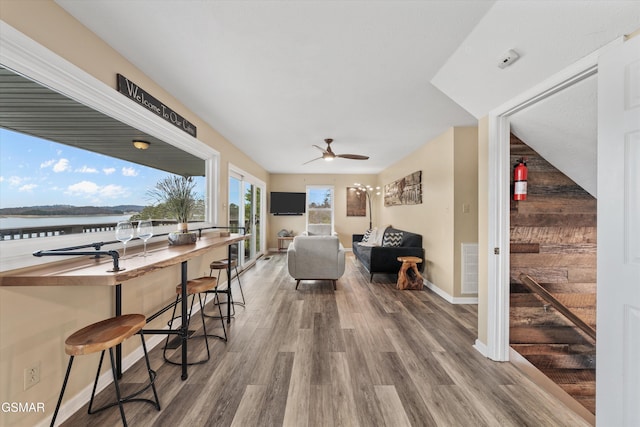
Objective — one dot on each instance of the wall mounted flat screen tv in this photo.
(283, 203)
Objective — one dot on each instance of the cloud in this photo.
(1, 178)
(112, 191)
(47, 163)
(86, 169)
(61, 166)
(129, 172)
(108, 171)
(27, 188)
(96, 192)
(15, 180)
(83, 187)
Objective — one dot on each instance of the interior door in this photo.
(618, 318)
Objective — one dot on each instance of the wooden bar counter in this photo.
(84, 270)
(88, 271)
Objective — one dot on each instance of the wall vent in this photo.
(469, 268)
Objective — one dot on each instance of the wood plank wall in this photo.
(553, 239)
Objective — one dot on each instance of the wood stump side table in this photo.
(409, 277)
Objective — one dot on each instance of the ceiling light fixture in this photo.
(140, 145)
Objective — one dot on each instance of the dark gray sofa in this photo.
(380, 259)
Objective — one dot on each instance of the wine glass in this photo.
(124, 233)
(145, 231)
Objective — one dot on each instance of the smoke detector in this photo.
(508, 58)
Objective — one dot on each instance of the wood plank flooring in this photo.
(364, 355)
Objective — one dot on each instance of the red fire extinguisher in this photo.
(520, 181)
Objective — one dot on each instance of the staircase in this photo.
(553, 240)
(537, 328)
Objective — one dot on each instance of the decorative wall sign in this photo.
(405, 191)
(356, 202)
(142, 97)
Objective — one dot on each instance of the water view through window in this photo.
(44, 183)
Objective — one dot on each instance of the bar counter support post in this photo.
(119, 346)
(184, 330)
(229, 298)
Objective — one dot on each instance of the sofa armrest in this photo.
(355, 238)
(291, 260)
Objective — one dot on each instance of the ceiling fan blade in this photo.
(320, 148)
(353, 156)
(312, 160)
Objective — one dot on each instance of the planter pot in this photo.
(177, 238)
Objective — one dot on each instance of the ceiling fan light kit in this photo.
(328, 154)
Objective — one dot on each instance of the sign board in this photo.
(142, 97)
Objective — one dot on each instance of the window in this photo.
(320, 210)
(53, 72)
(46, 184)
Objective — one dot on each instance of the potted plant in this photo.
(179, 200)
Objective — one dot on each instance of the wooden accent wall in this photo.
(553, 239)
(553, 235)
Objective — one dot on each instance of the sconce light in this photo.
(140, 145)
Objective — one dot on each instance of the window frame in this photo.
(30, 59)
(333, 204)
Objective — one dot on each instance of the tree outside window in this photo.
(320, 210)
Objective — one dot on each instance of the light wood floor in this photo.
(364, 355)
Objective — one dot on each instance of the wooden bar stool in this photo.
(197, 287)
(222, 265)
(101, 336)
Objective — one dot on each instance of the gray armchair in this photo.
(316, 258)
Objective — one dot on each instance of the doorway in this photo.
(246, 210)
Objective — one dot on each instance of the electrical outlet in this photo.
(31, 376)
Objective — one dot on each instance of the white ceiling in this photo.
(563, 130)
(275, 77)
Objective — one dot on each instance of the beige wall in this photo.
(465, 198)
(345, 225)
(34, 322)
(448, 164)
(483, 227)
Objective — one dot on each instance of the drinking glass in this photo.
(124, 233)
(145, 231)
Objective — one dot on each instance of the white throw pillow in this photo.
(367, 236)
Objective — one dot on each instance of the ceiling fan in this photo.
(328, 154)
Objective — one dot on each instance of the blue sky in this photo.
(38, 172)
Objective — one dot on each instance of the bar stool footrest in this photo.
(130, 398)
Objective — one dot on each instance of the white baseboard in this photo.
(449, 298)
(481, 347)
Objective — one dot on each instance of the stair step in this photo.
(571, 376)
(578, 383)
(547, 335)
(562, 361)
(527, 349)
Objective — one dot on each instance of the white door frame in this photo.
(257, 182)
(497, 345)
